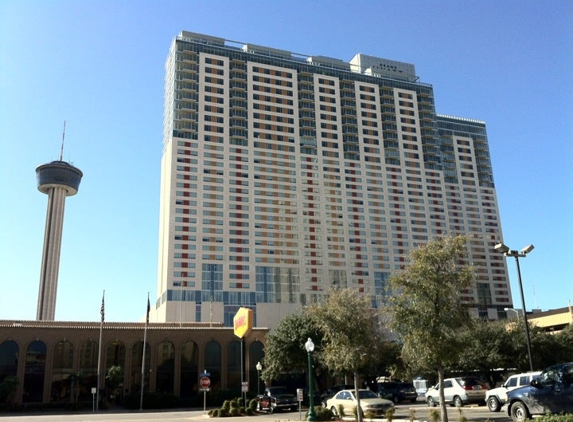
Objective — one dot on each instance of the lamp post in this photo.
(259, 368)
(309, 346)
(501, 248)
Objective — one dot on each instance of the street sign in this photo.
(205, 382)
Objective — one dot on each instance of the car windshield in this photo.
(367, 394)
(277, 390)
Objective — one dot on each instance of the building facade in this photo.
(57, 362)
(285, 175)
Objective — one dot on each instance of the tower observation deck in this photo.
(58, 180)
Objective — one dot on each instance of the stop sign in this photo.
(205, 382)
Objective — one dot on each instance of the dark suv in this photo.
(551, 392)
(397, 391)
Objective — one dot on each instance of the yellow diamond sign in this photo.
(243, 322)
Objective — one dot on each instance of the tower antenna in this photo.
(63, 137)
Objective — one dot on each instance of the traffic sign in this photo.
(205, 382)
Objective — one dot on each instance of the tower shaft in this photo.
(51, 254)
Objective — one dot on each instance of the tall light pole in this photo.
(309, 346)
(259, 368)
(501, 248)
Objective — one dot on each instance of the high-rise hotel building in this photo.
(284, 175)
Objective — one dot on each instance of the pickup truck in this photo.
(276, 399)
(551, 392)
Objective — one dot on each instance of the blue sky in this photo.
(99, 65)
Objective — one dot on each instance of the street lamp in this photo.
(501, 248)
(309, 346)
(259, 368)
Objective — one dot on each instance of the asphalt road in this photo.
(403, 413)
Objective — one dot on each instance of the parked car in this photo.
(551, 392)
(458, 391)
(495, 398)
(397, 391)
(330, 392)
(276, 399)
(369, 403)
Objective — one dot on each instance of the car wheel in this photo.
(414, 400)
(458, 401)
(519, 412)
(493, 404)
(333, 410)
(271, 409)
(431, 401)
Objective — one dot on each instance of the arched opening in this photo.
(136, 366)
(189, 369)
(165, 375)
(34, 372)
(234, 366)
(64, 380)
(213, 363)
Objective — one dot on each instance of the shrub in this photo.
(253, 404)
(390, 414)
(550, 417)
(434, 415)
(322, 413)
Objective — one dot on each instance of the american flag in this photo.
(102, 310)
(148, 309)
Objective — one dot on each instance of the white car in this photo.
(369, 403)
(458, 391)
(496, 398)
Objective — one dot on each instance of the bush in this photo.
(434, 415)
(253, 404)
(550, 417)
(322, 413)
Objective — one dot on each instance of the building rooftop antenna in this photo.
(63, 137)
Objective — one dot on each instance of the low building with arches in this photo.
(57, 361)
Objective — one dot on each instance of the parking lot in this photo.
(404, 412)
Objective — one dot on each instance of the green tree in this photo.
(285, 351)
(352, 334)
(487, 346)
(427, 306)
(113, 379)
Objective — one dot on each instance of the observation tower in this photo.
(58, 180)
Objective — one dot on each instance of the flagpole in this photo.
(102, 311)
(143, 355)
